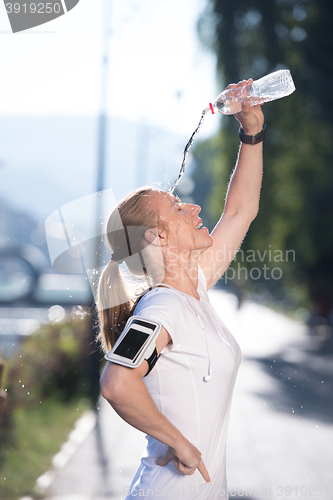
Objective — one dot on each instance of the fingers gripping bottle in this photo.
(269, 88)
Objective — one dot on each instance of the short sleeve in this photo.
(166, 307)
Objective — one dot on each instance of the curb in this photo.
(82, 428)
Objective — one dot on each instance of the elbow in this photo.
(246, 212)
(248, 215)
(111, 386)
(253, 214)
(112, 393)
(251, 211)
(106, 389)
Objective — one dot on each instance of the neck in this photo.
(182, 273)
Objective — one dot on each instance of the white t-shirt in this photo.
(199, 409)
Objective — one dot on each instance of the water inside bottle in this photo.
(186, 150)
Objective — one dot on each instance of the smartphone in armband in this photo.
(136, 343)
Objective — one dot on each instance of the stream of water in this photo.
(186, 150)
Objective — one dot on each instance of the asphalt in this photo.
(281, 426)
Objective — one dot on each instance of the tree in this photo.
(253, 38)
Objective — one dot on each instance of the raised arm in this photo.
(125, 390)
(242, 201)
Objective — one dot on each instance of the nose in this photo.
(195, 209)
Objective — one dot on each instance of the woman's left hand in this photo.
(251, 118)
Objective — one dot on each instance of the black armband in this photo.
(152, 361)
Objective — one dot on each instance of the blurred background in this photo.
(106, 98)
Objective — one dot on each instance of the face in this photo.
(184, 227)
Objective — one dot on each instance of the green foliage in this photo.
(52, 367)
(52, 361)
(253, 38)
(39, 432)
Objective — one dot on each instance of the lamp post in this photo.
(95, 357)
(100, 174)
(102, 120)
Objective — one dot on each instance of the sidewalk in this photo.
(281, 427)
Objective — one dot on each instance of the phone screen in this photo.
(132, 343)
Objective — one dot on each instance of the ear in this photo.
(151, 236)
(154, 237)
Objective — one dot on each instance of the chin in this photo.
(207, 242)
(210, 239)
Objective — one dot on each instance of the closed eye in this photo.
(178, 204)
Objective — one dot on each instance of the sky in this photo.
(159, 73)
(159, 80)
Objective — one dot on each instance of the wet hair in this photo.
(125, 235)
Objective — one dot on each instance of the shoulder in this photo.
(159, 297)
(166, 307)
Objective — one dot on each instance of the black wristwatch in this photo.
(252, 139)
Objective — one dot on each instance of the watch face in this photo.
(130, 346)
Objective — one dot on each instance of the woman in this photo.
(183, 404)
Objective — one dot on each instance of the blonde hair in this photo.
(125, 234)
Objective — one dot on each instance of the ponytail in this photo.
(114, 305)
(115, 301)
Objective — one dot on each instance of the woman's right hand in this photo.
(186, 459)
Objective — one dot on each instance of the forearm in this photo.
(244, 188)
(128, 395)
(133, 403)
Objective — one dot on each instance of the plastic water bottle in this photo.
(229, 102)
(270, 87)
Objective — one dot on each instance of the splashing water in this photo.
(186, 150)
